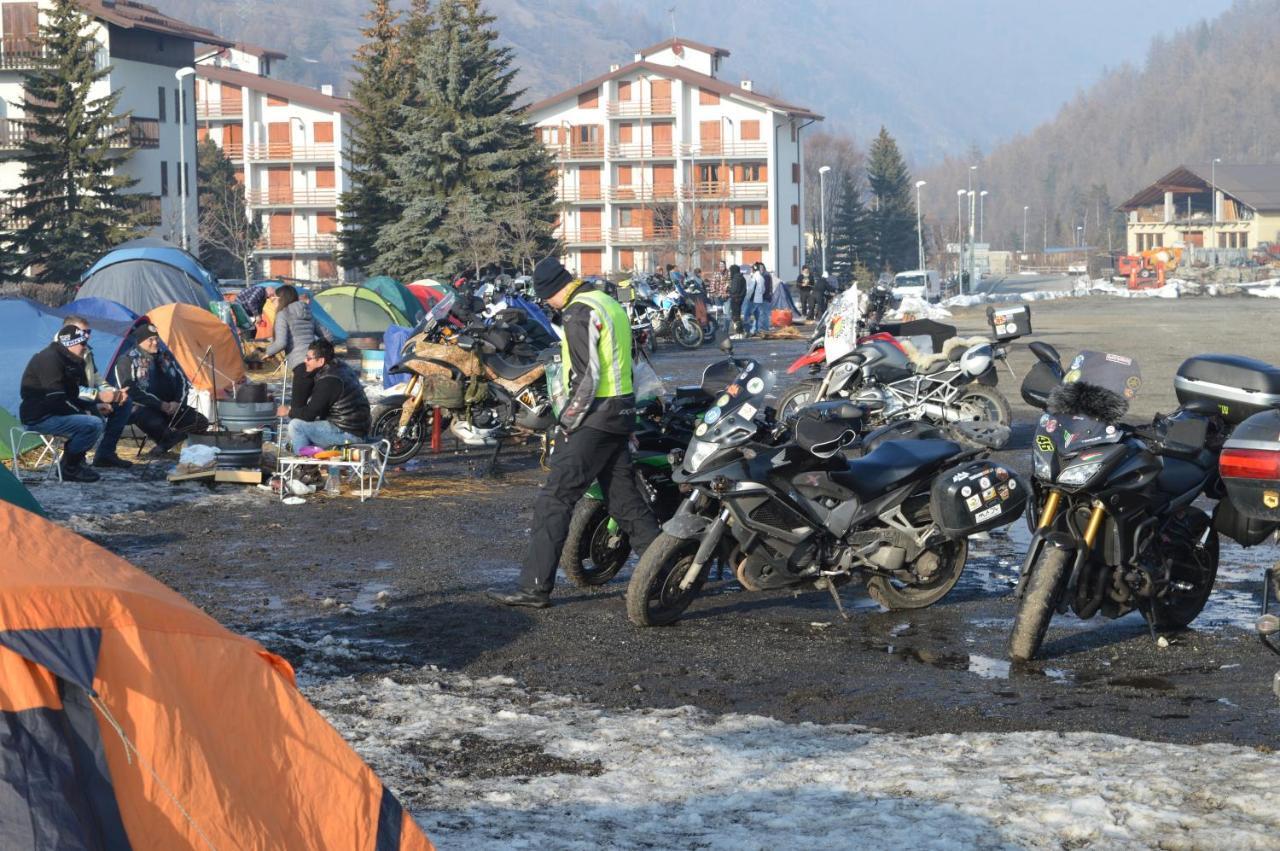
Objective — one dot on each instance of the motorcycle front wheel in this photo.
(687, 332)
(796, 397)
(986, 405)
(406, 447)
(654, 596)
(938, 580)
(593, 553)
(1038, 603)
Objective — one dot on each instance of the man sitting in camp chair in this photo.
(157, 389)
(329, 405)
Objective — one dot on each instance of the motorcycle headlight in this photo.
(1079, 474)
(698, 452)
(1043, 466)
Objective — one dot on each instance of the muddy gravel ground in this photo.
(405, 574)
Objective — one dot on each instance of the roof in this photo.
(671, 42)
(1255, 186)
(129, 14)
(292, 92)
(256, 50)
(685, 75)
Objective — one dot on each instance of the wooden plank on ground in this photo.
(239, 477)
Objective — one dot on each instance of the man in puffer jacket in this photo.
(157, 388)
(296, 329)
(329, 405)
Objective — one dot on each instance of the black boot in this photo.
(75, 470)
(519, 597)
(113, 460)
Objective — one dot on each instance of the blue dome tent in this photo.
(146, 273)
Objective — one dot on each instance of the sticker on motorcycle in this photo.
(966, 491)
(700, 430)
(733, 390)
(1044, 444)
(1271, 499)
(1050, 426)
(989, 494)
(711, 415)
(985, 483)
(1002, 492)
(1013, 484)
(747, 411)
(974, 503)
(987, 514)
(723, 400)
(755, 385)
(1002, 474)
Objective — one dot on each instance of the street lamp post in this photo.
(1024, 228)
(919, 232)
(982, 225)
(822, 211)
(293, 209)
(1080, 236)
(973, 258)
(960, 238)
(1213, 186)
(184, 191)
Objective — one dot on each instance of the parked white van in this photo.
(922, 283)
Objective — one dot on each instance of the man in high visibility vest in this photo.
(595, 431)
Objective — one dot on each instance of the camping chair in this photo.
(49, 458)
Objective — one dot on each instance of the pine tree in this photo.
(227, 234)
(893, 214)
(378, 94)
(72, 194)
(462, 135)
(850, 229)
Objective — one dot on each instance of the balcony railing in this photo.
(15, 134)
(298, 242)
(580, 236)
(287, 196)
(143, 133)
(149, 209)
(641, 151)
(725, 150)
(289, 152)
(661, 192)
(576, 194)
(716, 190)
(640, 109)
(578, 151)
(220, 109)
(25, 53)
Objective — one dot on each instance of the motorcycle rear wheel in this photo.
(985, 405)
(895, 596)
(797, 396)
(654, 597)
(1039, 601)
(1178, 612)
(687, 332)
(593, 554)
(402, 448)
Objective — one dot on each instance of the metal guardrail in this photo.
(725, 150)
(661, 192)
(286, 196)
(640, 109)
(221, 109)
(642, 151)
(298, 242)
(289, 152)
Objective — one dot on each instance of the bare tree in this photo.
(524, 234)
(840, 151)
(228, 234)
(473, 233)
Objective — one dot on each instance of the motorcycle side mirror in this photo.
(1046, 353)
(466, 342)
(726, 346)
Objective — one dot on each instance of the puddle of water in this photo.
(1143, 683)
(370, 598)
(987, 667)
(382, 565)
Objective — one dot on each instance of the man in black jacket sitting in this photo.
(52, 403)
(329, 405)
(157, 389)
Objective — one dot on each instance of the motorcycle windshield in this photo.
(732, 418)
(642, 288)
(1065, 434)
(1118, 373)
(842, 325)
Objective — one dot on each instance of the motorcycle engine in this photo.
(888, 402)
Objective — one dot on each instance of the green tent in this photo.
(397, 294)
(13, 491)
(361, 311)
(8, 421)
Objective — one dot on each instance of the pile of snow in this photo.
(917, 307)
(482, 763)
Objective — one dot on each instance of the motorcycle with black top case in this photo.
(1115, 525)
(780, 504)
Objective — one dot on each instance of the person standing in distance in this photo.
(595, 432)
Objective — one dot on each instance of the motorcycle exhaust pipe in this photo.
(710, 539)
(940, 412)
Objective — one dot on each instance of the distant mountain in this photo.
(942, 76)
(1208, 91)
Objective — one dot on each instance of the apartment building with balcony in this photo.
(143, 48)
(660, 161)
(288, 143)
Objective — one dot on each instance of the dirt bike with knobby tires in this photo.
(779, 504)
(1115, 528)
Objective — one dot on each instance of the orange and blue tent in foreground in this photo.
(132, 720)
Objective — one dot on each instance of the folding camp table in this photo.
(367, 466)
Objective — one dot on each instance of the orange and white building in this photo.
(660, 161)
(288, 143)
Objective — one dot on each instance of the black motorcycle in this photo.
(781, 505)
(1115, 528)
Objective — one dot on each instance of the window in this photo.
(164, 179)
(549, 136)
(276, 100)
(626, 133)
(795, 172)
(186, 180)
(161, 93)
(589, 100)
(751, 131)
(709, 173)
(325, 177)
(751, 216)
(326, 223)
(626, 217)
(323, 132)
(177, 105)
(795, 132)
(795, 214)
(708, 98)
(752, 173)
(624, 90)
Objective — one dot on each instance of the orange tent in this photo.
(201, 343)
(134, 720)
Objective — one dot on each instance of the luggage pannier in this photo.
(1250, 468)
(1009, 323)
(975, 497)
(1238, 387)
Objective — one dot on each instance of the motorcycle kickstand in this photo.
(490, 469)
(835, 595)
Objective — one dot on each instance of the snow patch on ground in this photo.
(560, 773)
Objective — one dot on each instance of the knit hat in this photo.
(144, 333)
(72, 335)
(549, 277)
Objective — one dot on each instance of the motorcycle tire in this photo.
(1039, 601)
(896, 596)
(1179, 612)
(687, 332)
(654, 597)
(385, 425)
(996, 410)
(797, 396)
(593, 554)
(711, 331)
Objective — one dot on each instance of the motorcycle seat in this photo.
(892, 463)
(934, 366)
(1179, 476)
(510, 370)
